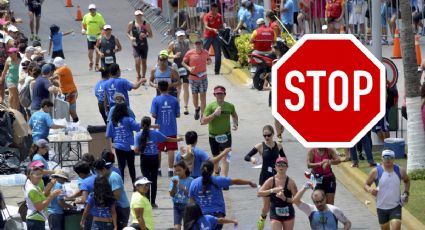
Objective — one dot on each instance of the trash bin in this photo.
(99, 141)
(397, 145)
(72, 219)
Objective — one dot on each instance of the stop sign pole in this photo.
(328, 90)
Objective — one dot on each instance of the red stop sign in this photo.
(328, 90)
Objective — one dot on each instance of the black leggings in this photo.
(102, 111)
(149, 165)
(123, 158)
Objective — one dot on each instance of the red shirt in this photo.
(199, 60)
(212, 22)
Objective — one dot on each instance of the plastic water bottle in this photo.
(403, 199)
(229, 156)
(12, 180)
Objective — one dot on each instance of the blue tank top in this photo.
(323, 220)
(163, 76)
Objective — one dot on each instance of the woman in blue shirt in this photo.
(101, 205)
(37, 152)
(207, 191)
(120, 129)
(99, 92)
(194, 220)
(145, 143)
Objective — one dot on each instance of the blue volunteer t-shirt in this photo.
(122, 134)
(40, 91)
(103, 212)
(287, 17)
(57, 41)
(206, 222)
(180, 197)
(199, 157)
(166, 108)
(40, 123)
(212, 200)
(117, 170)
(99, 90)
(54, 207)
(120, 85)
(87, 184)
(116, 183)
(250, 19)
(39, 157)
(154, 138)
(130, 113)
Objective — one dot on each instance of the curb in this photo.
(353, 179)
(237, 76)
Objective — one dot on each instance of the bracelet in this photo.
(406, 192)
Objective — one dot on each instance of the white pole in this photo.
(267, 6)
(376, 29)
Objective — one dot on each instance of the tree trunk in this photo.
(415, 130)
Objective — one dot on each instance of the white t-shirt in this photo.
(327, 219)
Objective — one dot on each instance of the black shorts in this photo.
(91, 45)
(140, 52)
(328, 184)
(216, 147)
(35, 10)
(58, 53)
(386, 215)
(296, 18)
(184, 79)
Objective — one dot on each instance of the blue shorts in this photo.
(382, 125)
(178, 213)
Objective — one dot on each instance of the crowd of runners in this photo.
(197, 179)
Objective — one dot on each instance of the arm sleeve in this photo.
(223, 182)
(116, 183)
(250, 154)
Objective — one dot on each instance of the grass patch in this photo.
(417, 192)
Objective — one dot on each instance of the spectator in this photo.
(39, 152)
(41, 122)
(99, 92)
(263, 38)
(92, 25)
(212, 23)
(357, 18)
(318, 14)
(107, 46)
(273, 23)
(180, 18)
(56, 41)
(10, 75)
(252, 13)
(29, 51)
(335, 15)
(57, 206)
(141, 208)
(42, 88)
(179, 191)
(67, 86)
(287, 11)
(367, 146)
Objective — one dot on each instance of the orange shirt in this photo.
(199, 60)
(66, 80)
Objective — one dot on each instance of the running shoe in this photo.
(186, 111)
(197, 115)
(36, 37)
(154, 206)
(32, 37)
(260, 223)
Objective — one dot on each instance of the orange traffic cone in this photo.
(396, 48)
(79, 16)
(418, 51)
(342, 29)
(69, 3)
(211, 51)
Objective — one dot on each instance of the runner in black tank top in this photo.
(281, 210)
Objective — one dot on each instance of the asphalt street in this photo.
(251, 105)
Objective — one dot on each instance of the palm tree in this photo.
(415, 131)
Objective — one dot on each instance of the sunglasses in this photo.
(163, 59)
(318, 201)
(281, 165)
(388, 158)
(267, 135)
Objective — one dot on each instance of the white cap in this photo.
(180, 33)
(388, 152)
(12, 28)
(138, 12)
(142, 181)
(260, 21)
(106, 27)
(92, 6)
(58, 62)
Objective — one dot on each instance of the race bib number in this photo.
(201, 74)
(221, 138)
(92, 38)
(318, 180)
(358, 9)
(282, 211)
(182, 71)
(109, 60)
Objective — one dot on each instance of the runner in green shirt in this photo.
(92, 25)
(217, 116)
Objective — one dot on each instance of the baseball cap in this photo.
(42, 143)
(117, 94)
(260, 21)
(142, 181)
(138, 12)
(282, 159)
(12, 28)
(62, 174)
(58, 62)
(107, 27)
(163, 53)
(46, 69)
(180, 33)
(12, 50)
(92, 6)
(219, 89)
(388, 153)
(36, 163)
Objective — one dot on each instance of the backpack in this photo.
(381, 171)
(334, 8)
(25, 96)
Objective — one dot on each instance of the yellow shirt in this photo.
(140, 201)
(93, 24)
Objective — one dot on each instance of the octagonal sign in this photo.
(328, 90)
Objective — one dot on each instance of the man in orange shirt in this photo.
(196, 61)
(67, 86)
(213, 22)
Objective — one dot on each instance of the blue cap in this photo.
(46, 69)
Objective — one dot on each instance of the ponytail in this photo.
(146, 124)
(207, 169)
